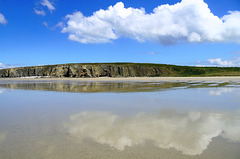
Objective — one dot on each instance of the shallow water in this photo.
(62, 119)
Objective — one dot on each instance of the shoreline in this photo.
(129, 79)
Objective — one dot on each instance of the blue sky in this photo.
(40, 32)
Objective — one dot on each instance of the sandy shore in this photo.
(140, 79)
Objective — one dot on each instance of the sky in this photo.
(179, 32)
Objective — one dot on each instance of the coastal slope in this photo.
(117, 70)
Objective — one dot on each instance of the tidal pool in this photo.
(72, 119)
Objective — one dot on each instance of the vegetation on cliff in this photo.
(118, 70)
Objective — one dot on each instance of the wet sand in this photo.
(142, 79)
(198, 119)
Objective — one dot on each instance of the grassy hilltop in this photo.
(185, 71)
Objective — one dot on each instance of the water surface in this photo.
(70, 119)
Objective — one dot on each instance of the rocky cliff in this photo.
(86, 70)
(117, 70)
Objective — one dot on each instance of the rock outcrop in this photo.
(117, 70)
(86, 70)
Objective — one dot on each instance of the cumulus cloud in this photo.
(220, 62)
(3, 66)
(190, 132)
(224, 63)
(39, 12)
(2, 19)
(48, 4)
(187, 21)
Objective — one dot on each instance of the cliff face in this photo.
(86, 70)
(117, 70)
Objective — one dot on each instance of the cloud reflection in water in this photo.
(2, 90)
(222, 90)
(3, 136)
(190, 133)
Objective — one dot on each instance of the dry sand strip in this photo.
(129, 79)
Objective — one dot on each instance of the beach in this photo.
(171, 117)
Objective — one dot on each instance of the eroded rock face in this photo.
(85, 70)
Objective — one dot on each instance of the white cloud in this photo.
(39, 12)
(187, 21)
(3, 66)
(190, 132)
(60, 25)
(220, 62)
(48, 4)
(45, 24)
(44, 3)
(149, 53)
(2, 19)
(228, 63)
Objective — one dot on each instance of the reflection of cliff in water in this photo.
(92, 86)
(66, 86)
